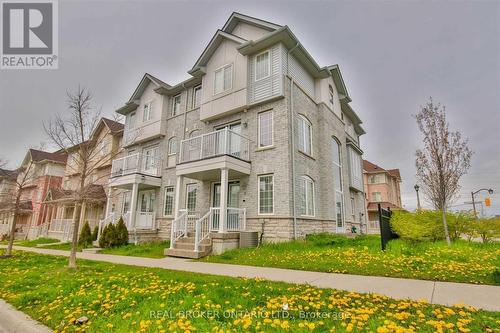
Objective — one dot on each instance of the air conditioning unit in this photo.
(249, 239)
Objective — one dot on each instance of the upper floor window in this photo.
(304, 133)
(104, 146)
(265, 129)
(306, 195)
(330, 95)
(131, 120)
(377, 179)
(377, 196)
(146, 115)
(262, 65)
(196, 97)
(223, 79)
(176, 105)
(337, 184)
(172, 146)
(168, 207)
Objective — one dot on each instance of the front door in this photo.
(150, 161)
(233, 199)
(145, 215)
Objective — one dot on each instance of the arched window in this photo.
(304, 135)
(194, 133)
(337, 183)
(306, 196)
(172, 146)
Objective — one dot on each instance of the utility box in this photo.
(249, 239)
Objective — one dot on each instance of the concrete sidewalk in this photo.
(446, 293)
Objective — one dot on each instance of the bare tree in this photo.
(24, 179)
(74, 134)
(444, 159)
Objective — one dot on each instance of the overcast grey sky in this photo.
(393, 56)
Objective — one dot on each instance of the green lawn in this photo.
(62, 246)
(462, 262)
(119, 298)
(33, 242)
(148, 250)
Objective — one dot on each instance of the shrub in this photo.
(108, 236)
(85, 236)
(487, 229)
(95, 232)
(121, 233)
(103, 238)
(428, 225)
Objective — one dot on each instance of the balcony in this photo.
(205, 154)
(137, 168)
(218, 143)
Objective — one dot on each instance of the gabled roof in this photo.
(212, 46)
(93, 193)
(42, 156)
(113, 126)
(8, 174)
(236, 18)
(146, 79)
(370, 167)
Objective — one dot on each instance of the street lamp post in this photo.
(490, 191)
(416, 187)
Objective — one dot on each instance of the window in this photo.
(306, 195)
(265, 129)
(337, 183)
(304, 133)
(266, 194)
(355, 169)
(104, 146)
(126, 202)
(172, 146)
(176, 105)
(223, 79)
(194, 133)
(131, 121)
(330, 95)
(377, 179)
(168, 207)
(146, 114)
(196, 97)
(191, 190)
(262, 66)
(377, 196)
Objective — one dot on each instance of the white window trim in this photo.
(193, 98)
(307, 179)
(165, 200)
(149, 107)
(187, 196)
(268, 66)
(258, 130)
(230, 65)
(173, 112)
(307, 122)
(258, 193)
(172, 139)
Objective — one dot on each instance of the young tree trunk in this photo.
(74, 236)
(445, 225)
(12, 234)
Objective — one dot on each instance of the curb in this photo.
(14, 321)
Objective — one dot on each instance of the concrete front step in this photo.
(183, 253)
(190, 246)
(190, 240)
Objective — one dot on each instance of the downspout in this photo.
(292, 152)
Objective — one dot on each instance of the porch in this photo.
(219, 160)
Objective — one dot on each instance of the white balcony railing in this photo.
(137, 163)
(218, 143)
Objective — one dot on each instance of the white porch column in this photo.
(108, 202)
(133, 204)
(178, 195)
(224, 174)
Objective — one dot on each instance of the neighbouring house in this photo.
(259, 138)
(44, 172)
(7, 192)
(381, 187)
(61, 209)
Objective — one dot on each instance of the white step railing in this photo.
(179, 227)
(136, 163)
(221, 142)
(203, 229)
(236, 219)
(145, 221)
(60, 225)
